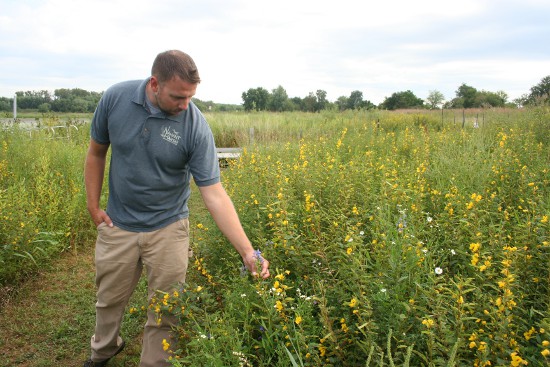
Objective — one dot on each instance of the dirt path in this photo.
(50, 320)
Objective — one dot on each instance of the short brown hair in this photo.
(172, 63)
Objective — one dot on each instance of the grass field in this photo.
(396, 239)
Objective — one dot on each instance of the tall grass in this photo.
(42, 200)
(396, 239)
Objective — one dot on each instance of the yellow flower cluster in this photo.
(429, 323)
(199, 265)
(474, 248)
(279, 291)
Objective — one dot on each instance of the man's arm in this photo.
(222, 210)
(94, 172)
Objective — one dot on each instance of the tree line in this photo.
(466, 96)
(62, 100)
(260, 99)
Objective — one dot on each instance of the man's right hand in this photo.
(99, 216)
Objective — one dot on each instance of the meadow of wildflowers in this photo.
(396, 239)
(42, 200)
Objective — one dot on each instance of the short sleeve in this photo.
(100, 127)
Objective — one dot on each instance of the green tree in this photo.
(297, 103)
(322, 101)
(5, 104)
(341, 103)
(278, 99)
(465, 97)
(44, 108)
(400, 100)
(490, 99)
(309, 103)
(435, 99)
(315, 102)
(255, 99)
(74, 100)
(32, 99)
(355, 100)
(540, 93)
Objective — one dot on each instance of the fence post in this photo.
(251, 135)
(15, 107)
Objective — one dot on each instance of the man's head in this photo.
(174, 80)
(173, 63)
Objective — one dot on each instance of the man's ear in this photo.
(154, 83)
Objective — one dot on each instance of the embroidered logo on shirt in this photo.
(170, 135)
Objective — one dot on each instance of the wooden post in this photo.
(251, 135)
(15, 107)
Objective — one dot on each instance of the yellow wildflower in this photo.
(517, 360)
(529, 334)
(345, 328)
(165, 345)
(482, 346)
(429, 323)
(474, 247)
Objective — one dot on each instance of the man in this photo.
(158, 140)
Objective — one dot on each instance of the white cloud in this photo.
(377, 48)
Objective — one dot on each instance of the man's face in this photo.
(174, 95)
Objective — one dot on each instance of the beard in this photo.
(169, 112)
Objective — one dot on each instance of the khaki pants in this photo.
(119, 258)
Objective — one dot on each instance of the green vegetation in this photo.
(395, 239)
(41, 198)
(260, 99)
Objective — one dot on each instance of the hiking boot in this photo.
(103, 363)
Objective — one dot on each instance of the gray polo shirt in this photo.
(153, 157)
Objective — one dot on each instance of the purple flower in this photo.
(244, 270)
(258, 255)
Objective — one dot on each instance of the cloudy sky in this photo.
(376, 47)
